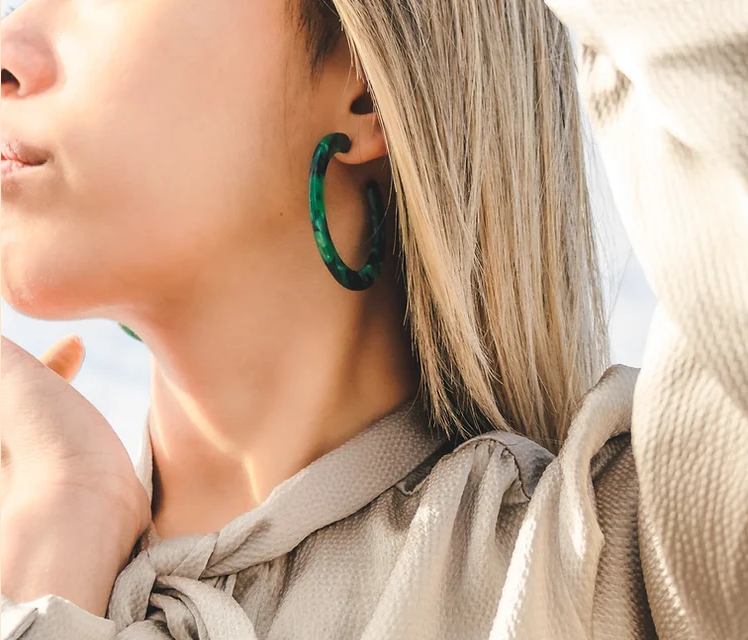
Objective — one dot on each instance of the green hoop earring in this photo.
(349, 278)
(130, 332)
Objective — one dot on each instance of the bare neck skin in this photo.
(255, 383)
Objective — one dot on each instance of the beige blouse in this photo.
(637, 530)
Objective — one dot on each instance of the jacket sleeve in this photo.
(51, 617)
(665, 83)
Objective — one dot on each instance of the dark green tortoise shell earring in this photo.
(130, 332)
(350, 279)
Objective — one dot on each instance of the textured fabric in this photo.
(637, 530)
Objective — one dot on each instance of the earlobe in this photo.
(367, 140)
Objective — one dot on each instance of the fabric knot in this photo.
(170, 579)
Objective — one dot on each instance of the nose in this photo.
(28, 61)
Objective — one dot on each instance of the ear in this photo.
(361, 124)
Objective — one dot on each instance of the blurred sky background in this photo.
(115, 375)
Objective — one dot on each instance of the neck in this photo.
(250, 394)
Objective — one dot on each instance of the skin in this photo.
(72, 506)
(175, 201)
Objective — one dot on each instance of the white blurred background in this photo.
(115, 375)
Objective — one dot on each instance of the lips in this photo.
(17, 151)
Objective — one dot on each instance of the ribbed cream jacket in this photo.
(638, 529)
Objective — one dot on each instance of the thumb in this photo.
(65, 357)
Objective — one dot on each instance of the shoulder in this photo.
(597, 439)
(511, 485)
(505, 466)
(596, 454)
(510, 526)
(578, 539)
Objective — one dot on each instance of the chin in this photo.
(40, 286)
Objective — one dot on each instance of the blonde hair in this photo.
(479, 106)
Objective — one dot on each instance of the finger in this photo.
(65, 357)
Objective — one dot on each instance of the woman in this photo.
(355, 435)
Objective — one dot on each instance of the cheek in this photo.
(168, 152)
(184, 125)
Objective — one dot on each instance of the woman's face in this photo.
(179, 135)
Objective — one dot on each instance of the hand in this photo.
(67, 485)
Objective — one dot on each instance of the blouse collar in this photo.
(332, 487)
